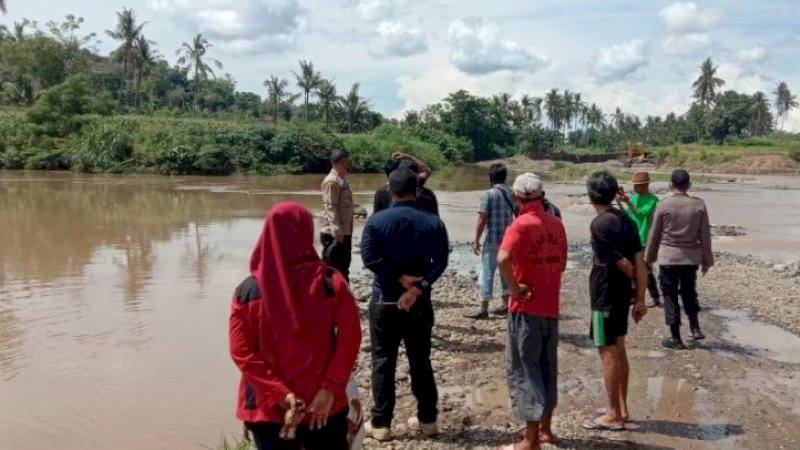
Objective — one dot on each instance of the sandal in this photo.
(594, 424)
(603, 411)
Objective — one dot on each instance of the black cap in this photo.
(680, 179)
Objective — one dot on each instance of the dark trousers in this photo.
(332, 437)
(652, 285)
(679, 281)
(388, 326)
(337, 255)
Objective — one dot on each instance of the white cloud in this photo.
(374, 9)
(395, 40)
(477, 47)
(687, 17)
(687, 44)
(619, 60)
(755, 54)
(244, 26)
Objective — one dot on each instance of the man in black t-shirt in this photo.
(426, 199)
(618, 262)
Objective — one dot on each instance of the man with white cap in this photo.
(532, 258)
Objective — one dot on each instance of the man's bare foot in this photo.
(604, 411)
(604, 423)
(547, 436)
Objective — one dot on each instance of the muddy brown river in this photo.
(114, 292)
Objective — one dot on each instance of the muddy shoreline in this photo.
(701, 398)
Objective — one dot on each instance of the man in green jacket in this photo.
(640, 207)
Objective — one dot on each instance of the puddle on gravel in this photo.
(492, 395)
(676, 405)
(758, 338)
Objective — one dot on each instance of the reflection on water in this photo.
(114, 295)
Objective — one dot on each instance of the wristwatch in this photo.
(422, 285)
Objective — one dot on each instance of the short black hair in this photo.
(498, 173)
(403, 182)
(338, 155)
(394, 164)
(602, 188)
(680, 179)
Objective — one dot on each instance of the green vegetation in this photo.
(68, 107)
(236, 444)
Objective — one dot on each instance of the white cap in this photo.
(528, 186)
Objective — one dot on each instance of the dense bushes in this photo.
(369, 152)
(174, 146)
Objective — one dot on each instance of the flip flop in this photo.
(593, 424)
(603, 411)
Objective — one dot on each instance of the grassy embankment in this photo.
(194, 146)
(748, 156)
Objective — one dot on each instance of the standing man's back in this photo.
(680, 241)
(495, 213)
(336, 231)
(407, 250)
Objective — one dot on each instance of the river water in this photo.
(114, 293)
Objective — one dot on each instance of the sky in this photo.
(639, 55)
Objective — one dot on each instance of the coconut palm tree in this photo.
(760, 121)
(706, 85)
(18, 33)
(328, 99)
(308, 80)
(785, 102)
(277, 95)
(536, 109)
(127, 31)
(568, 107)
(193, 58)
(594, 116)
(579, 110)
(354, 108)
(526, 103)
(144, 56)
(553, 108)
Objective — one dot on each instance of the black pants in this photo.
(387, 327)
(337, 255)
(333, 437)
(652, 285)
(679, 281)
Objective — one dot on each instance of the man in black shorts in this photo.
(618, 263)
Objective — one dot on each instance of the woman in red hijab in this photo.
(295, 335)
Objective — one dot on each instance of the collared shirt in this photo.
(498, 206)
(338, 203)
(426, 200)
(404, 240)
(643, 217)
(681, 233)
(537, 244)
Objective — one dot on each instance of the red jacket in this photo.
(278, 360)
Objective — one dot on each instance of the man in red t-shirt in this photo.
(532, 258)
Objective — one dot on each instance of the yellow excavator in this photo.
(636, 152)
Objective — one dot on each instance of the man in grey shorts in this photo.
(532, 258)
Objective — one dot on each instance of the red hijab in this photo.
(286, 265)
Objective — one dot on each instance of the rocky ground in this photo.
(738, 389)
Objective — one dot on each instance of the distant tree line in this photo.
(55, 75)
(539, 124)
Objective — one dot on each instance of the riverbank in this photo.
(701, 398)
